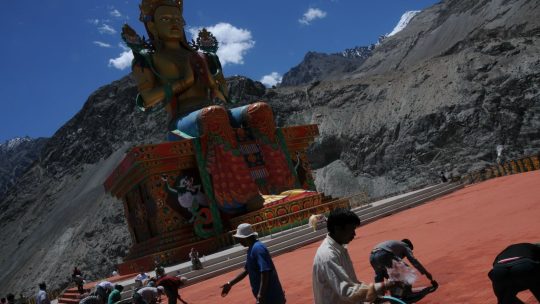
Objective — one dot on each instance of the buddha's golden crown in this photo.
(148, 7)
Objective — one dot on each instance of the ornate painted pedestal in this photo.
(153, 181)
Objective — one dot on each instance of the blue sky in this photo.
(55, 53)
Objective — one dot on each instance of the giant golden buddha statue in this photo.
(187, 79)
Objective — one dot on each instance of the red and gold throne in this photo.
(152, 181)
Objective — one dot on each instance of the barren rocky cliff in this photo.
(461, 79)
(16, 156)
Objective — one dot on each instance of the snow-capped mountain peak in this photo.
(405, 19)
(14, 142)
(358, 52)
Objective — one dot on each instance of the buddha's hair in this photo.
(148, 7)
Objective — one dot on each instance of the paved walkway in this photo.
(456, 237)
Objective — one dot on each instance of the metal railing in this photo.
(515, 166)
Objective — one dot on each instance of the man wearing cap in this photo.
(263, 276)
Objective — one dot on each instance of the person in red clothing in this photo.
(170, 285)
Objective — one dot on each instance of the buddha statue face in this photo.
(167, 24)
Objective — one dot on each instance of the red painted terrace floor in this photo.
(456, 237)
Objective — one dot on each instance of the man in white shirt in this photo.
(42, 297)
(140, 278)
(151, 295)
(334, 279)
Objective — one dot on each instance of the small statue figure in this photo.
(189, 196)
(195, 260)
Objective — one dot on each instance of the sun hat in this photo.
(244, 230)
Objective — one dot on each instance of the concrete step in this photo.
(237, 263)
(383, 212)
(68, 301)
(71, 295)
(304, 235)
(367, 212)
(403, 197)
(288, 238)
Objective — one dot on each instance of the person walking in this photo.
(334, 279)
(42, 297)
(76, 275)
(515, 269)
(263, 276)
(383, 253)
(170, 285)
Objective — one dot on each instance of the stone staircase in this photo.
(70, 296)
(288, 240)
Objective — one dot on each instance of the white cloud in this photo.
(233, 42)
(106, 29)
(93, 21)
(123, 61)
(271, 79)
(115, 13)
(312, 14)
(102, 44)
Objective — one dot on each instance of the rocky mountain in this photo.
(319, 66)
(462, 78)
(15, 156)
(58, 216)
(243, 90)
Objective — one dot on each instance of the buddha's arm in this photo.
(218, 86)
(154, 92)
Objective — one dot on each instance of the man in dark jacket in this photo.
(515, 269)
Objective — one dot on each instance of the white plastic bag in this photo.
(400, 272)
